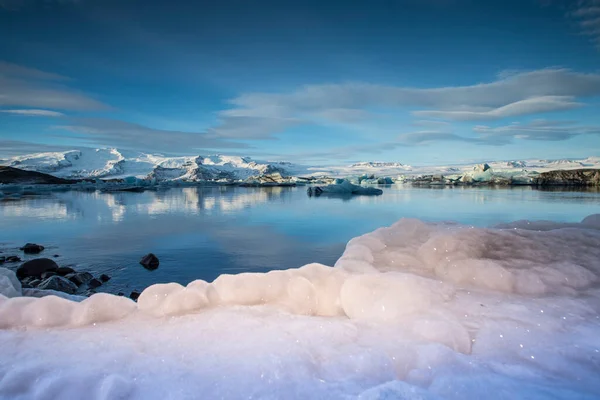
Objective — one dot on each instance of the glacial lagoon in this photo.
(202, 232)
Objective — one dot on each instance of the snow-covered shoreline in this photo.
(415, 310)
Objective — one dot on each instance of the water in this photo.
(202, 232)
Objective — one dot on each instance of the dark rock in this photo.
(94, 283)
(56, 256)
(58, 283)
(120, 294)
(48, 274)
(12, 259)
(32, 248)
(62, 271)
(2, 259)
(15, 175)
(134, 295)
(149, 261)
(26, 279)
(90, 292)
(79, 278)
(36, 267)
(26, 286)
(573, 177)
(104, 278)
(35, 282)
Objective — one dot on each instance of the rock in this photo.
(149, 261)
(56, 256)
(36, 267)
(134, 295)
(94, 283)
(573, 177)
(120, 294)
(32, 248)
(48, 274)
(12, 259)
(79, 278)
(58, 283)
(62, 271)
(2, 259)
(35, 282)
(26, 286)
(104, 278)
(10, 175)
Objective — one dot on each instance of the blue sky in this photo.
(414, 81)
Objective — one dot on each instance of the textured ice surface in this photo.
(413, 311)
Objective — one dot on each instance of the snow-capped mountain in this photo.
(113, 163)
(378, 164)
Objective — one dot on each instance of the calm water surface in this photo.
(201, 232)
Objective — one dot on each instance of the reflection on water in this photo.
(201, 232)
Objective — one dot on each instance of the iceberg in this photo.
(415, 310)
(343, 187)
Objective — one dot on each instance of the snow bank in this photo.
(415, 310)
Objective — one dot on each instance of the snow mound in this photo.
(414, 310)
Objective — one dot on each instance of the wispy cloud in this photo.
(533, 105)
(115, 133)
(512, 94)
(539, 130)
(587, 16)
(34, 113)
(542, 130)
(27, 87)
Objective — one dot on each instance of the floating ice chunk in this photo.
(343, 187)
(9, 284)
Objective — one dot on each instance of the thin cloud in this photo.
(18, 71)
(115, 133)
(34, 113)
(541, 130)
(27, 87)
(533, 105)
(587, 17)
(511, 94)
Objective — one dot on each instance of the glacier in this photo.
(416, 310)
(110, 165)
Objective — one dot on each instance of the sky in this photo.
(323, 82)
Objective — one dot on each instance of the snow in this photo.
(414, 311)
(119, 164)
(512, 168)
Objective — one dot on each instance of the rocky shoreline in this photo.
(43, 276)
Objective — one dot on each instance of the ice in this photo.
(10, 286)
(414, 311)
(343, 187)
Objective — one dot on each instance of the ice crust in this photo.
(412, 311)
